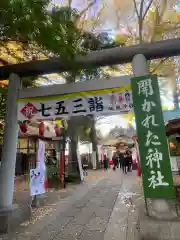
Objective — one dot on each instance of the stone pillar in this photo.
(139, 65)
(160, 208)
(8, 159)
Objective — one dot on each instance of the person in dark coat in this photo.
(85, 165)
(129, 160)
(117, 157)
(124, 163)
(105, 162)
(121, 156)
(115, 161)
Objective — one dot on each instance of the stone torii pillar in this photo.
(10, 215)
(9, 148)
(160, 207)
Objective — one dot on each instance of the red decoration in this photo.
(134, 138)
(139, 170)
(41, 129)
(46, 184)
(57, 130)
(29, 110)
(134, 165)
(23, 127)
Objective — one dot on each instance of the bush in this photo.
(52, 172)
(73, 178)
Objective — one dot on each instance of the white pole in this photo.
(9, 149)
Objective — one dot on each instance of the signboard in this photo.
(154, 154)
(37, 181)
(38, 175)
(107, 101)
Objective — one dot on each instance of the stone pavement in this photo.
(124, 221)
(104, 207)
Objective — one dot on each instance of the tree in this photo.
(128, 38)
(145, 21)
(29, 30)
(87, 42)
(37, 31)
(90, 42)
(141, 21)
(29, 27)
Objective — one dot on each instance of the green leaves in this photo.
(31, 22)
(3, 96)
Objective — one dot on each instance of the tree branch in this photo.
(140, 18)
(129, 30)
(164, 7)
(156, 20)
(141, 8)
(86, 9)
(159, 64)
(147, 9)
(97, 18)
(136, 9)
(69, 3)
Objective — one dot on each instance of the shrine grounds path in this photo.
(102, 208)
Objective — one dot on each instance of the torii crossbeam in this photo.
(118, 55)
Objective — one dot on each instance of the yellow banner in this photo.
(76, 94)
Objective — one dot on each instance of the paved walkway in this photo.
(104, 207)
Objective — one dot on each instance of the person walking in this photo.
(105, 162)
(114, 158)
(117, 157)
(124, 163)
(85, 165)
(129, 160)
(121, 156)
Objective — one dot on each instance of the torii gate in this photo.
(138, 55)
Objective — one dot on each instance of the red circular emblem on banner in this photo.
(29, 110)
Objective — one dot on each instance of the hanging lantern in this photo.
(172, 145)
(41, 129)
(23, 127)
(57, 130)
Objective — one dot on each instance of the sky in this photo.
(178, 5)
(111, 122)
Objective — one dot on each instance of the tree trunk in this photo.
(94, 141)
(175, 97)
(72, 133)
(73, 159)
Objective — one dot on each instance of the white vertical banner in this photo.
(38, 175)
(40, 158)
